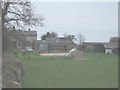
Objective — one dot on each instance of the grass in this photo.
(97, 71)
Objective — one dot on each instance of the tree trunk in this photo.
(4, 32)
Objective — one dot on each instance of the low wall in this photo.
(12, 71)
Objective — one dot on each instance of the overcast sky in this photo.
(97, 21)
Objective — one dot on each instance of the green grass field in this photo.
(97, 71)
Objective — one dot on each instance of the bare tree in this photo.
(17, 14)
(80, 38)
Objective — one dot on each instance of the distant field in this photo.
(97, 71)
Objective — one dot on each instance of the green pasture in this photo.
(91, 71)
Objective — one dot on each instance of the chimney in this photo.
(29, 29)
(13, 27)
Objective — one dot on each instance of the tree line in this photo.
(78, 38)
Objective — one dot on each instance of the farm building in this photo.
(109, 47)
(94, 47)
(20, 39)
(112, 45)
(55, 44)
(103, 47)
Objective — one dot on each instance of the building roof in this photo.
(24, 33)
(106, 44)
(91, 43)
(57, 40)
(15, 35)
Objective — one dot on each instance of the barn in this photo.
(56, 44)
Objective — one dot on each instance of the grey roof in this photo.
(26, 33)
(57, 40)
(90, 43)
(111, 45)
(106, 44)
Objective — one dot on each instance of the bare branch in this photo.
(17, 12)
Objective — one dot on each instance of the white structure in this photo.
(108, 50)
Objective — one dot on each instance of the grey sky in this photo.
(97, 21)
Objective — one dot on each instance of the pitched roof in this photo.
(58, 40)
(106, 44)
(91, 43)
(24, 33)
